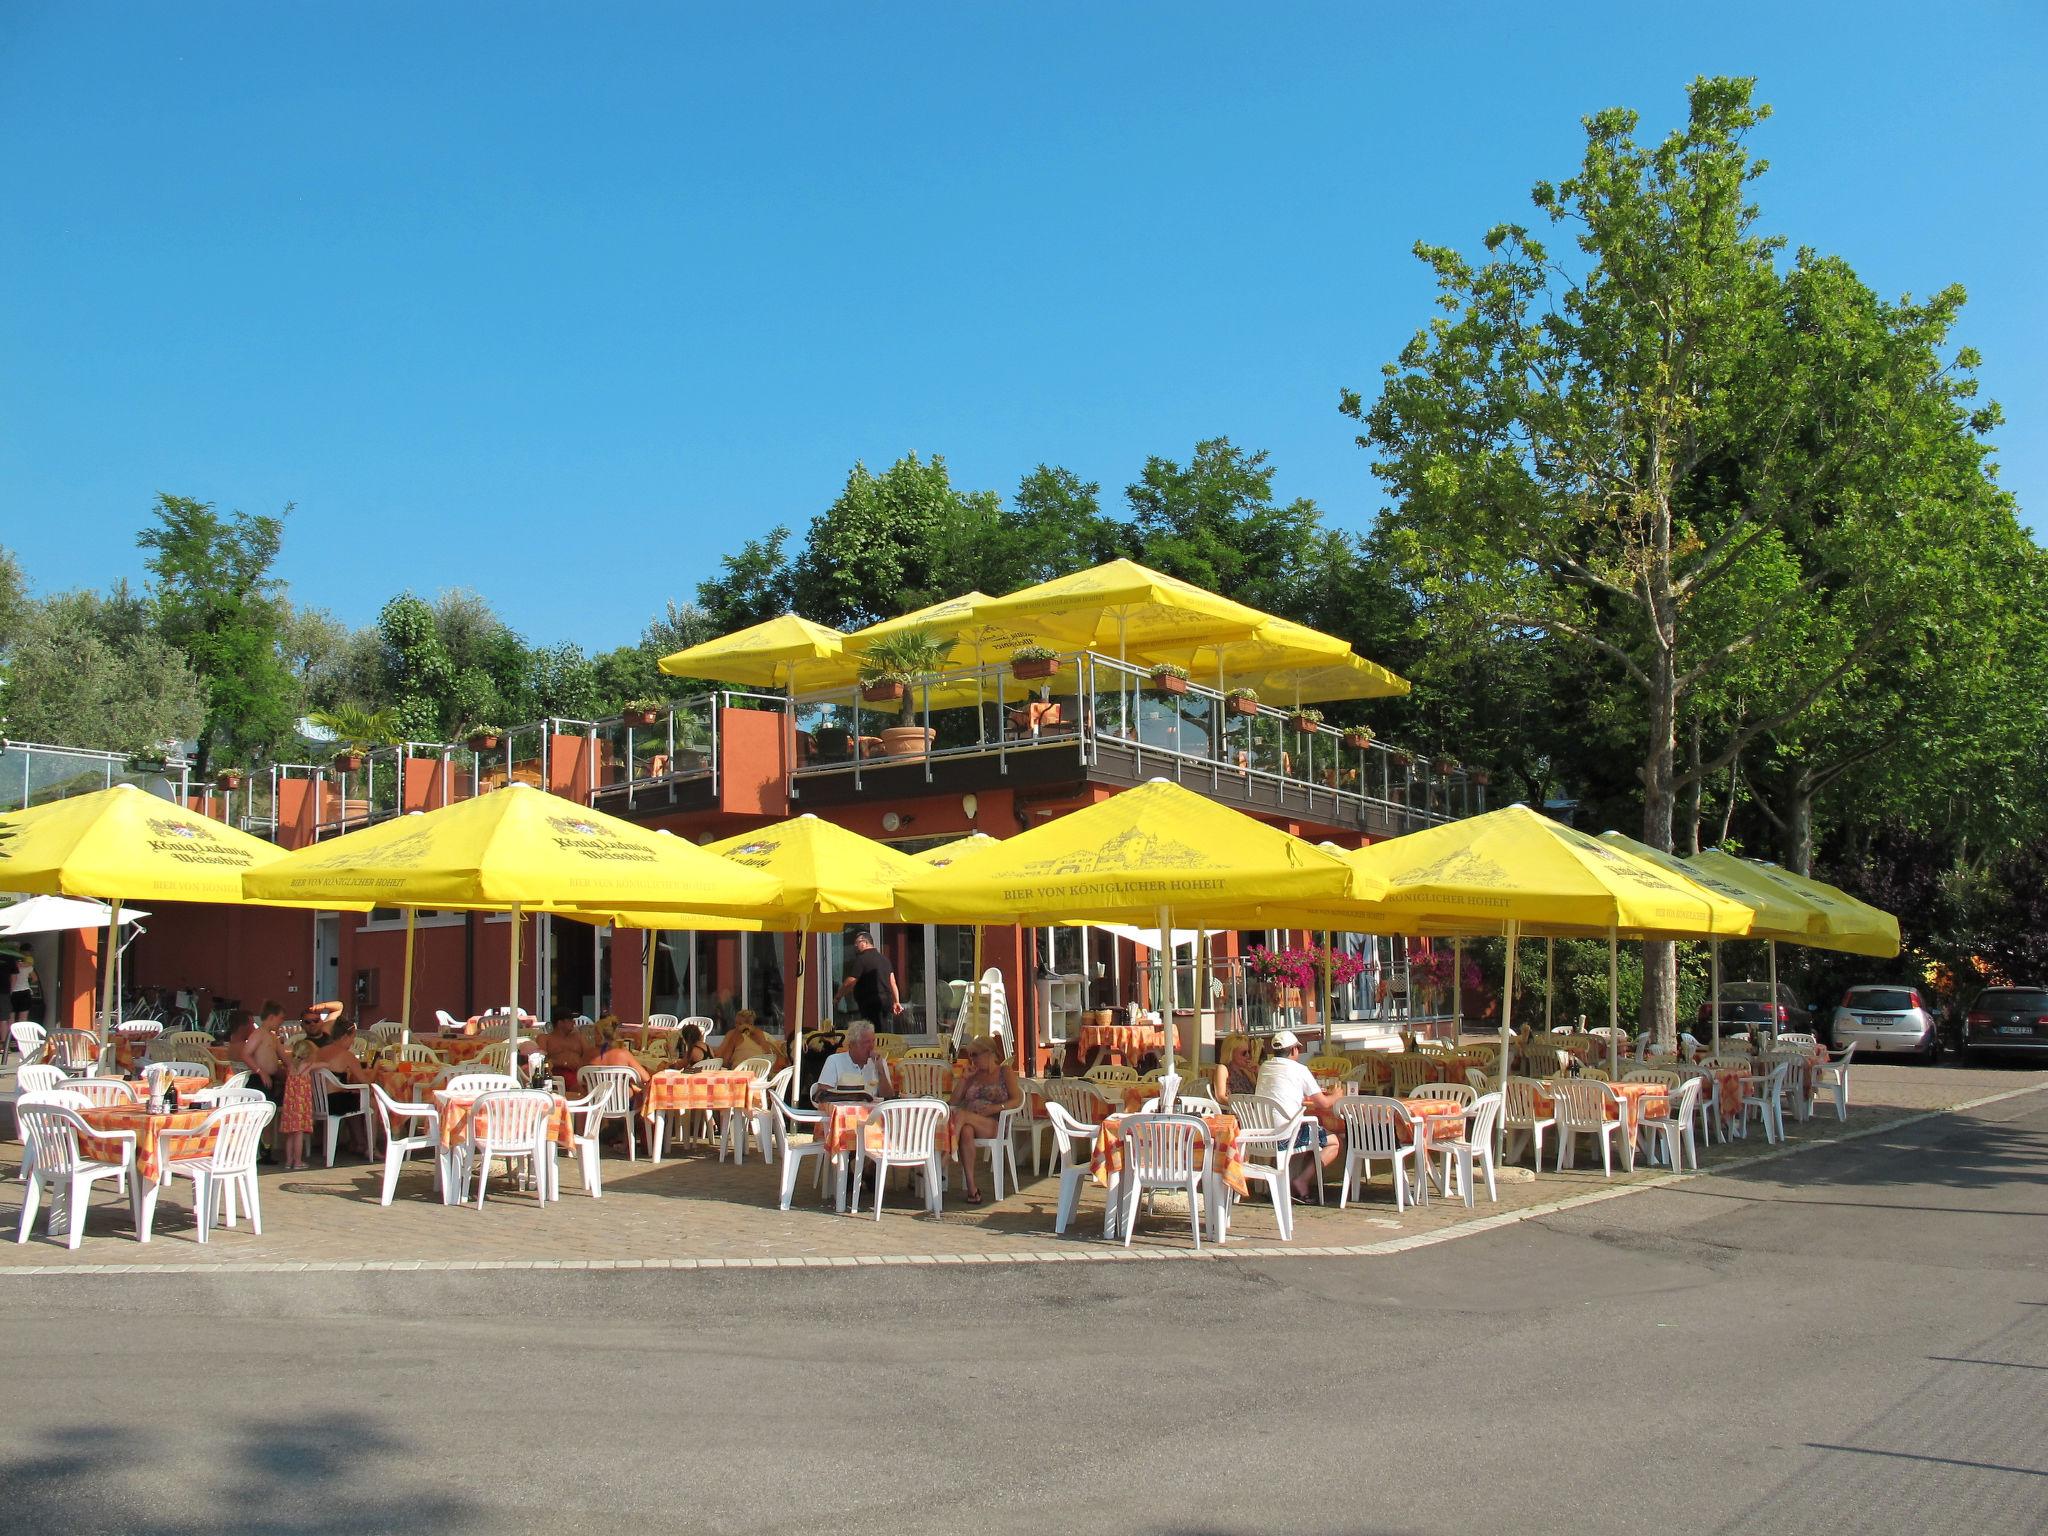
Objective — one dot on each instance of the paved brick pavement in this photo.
(694, 1209)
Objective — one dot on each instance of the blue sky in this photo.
(559, 302)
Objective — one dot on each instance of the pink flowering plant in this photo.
(1303, 967)
(1433, 970)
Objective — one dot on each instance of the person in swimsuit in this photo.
(690, 1047)
(984, 1089)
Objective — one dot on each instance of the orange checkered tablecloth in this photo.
(455, 1116)
(469, 1047)
(1637, 1100)
(406, 1081)
(1224, 1157)
(845, 1126)
(1129, 1041)
(674, 1092)
(1434, 1120)
(149, 1132)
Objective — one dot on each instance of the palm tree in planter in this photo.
(357, 732)
(887, 672)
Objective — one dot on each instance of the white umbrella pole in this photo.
(1613, 999)
(1715, 947)
(1507, 1010)
(1771, 948)
(109, 958)
(649, 938)
(975, 1007)
(512, 991)
(1329, 1027)
(405, 1002)
(796, 1049)
(1457, 989)
(1549, 978)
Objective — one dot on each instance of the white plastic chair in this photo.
(610, 1090)
(34, 1077)
(788, 1122)
(74, 1050)
(324, 1083)
(1475, 1146)
(586, 1120)
(1166, 1152)
(1111, 1072)
(1266, 1147)
(909, 1139)
(920, 1079)
(181, 1045)
(1675, 1128)
(50, 1131)
(1073, 1144)
(1002, 1147)
(101, 1092)
(480, 1082)
(515, 1128)
(1584, 1106)
(412, 1050)
(1444, 1093)
(669, 1021)
(450, 1025)
(187, 1068)
(226, 1171)
(1832, 1078)
(1764, 1096)
(401, 1144)
(1378, 1129)
(385, 1031)
(1190, 1104)
(30, 1040)
(136, 1030)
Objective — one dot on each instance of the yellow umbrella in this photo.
(515, 849)
(123, 843)
(772, 654)
(953, 852)
(1126, 608)
(1137, 857)
(1321, 682)
(1844, 922)
(958, 620)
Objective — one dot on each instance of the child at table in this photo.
(295, 1116)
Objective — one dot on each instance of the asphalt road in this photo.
(1852, 1339)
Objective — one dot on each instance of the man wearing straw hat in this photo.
(1289, 1084)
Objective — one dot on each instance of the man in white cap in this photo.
(1284, 1080)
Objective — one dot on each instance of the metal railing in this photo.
(35, 773)
(1171, 728)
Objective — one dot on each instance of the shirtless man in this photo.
(261, 1050)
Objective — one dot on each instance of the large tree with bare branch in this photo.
(1713, 470)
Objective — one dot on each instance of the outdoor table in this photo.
(1106, 1164)
(405, 1081)
(1127, 1042)
(468, 1047)
(151, 1131)
(453, 1112)
(1731, 1087)
(1635, 1101)
(843, 1131)
(676, 1092)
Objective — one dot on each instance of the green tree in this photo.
(418, 677)
(217, 601)
(85, 671)
(1056, 525)
(1676, 461)
(892, 543)
(755, 584)
(1213, 521)
(14, 601)
(630, 672)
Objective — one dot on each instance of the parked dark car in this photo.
(2007, 1019)
(1746, 1005)
(1889, 1020)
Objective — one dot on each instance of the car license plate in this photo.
(2015, 1029)
(1868, 1022)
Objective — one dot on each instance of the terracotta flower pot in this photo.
(1358, 741)
(348, 762)
(907, 740)
(483, 741)
(1166, 682)
(1246, 708)
(1048, 666)
(1302, 723)
(883, 693)
(228, 781)
(639, 717)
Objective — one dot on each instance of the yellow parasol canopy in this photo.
(1779, 914)
(515, 847)
(125, 842)
(1516, 865)
(1127, 857)
(975, 640)
(776, 653)
(961, 847)
(1321, 682)
(1847, 924)
(1124, 609)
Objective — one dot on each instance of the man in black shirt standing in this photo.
(871, 982)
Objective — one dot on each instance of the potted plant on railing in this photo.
(1305, 720)
(637, 713)
(1034, 661)
(1358, 737)
(1169, 679)
(357, 732)
(228, 780)
(1445, 765)
(900, 660)
(1242, 701)
(483, 738)
(1482, 777)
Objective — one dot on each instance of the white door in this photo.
(327, 959)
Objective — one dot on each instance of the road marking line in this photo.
(1076, 1254)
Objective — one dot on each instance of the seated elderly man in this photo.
(1284, 1080)
(859, 1066)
